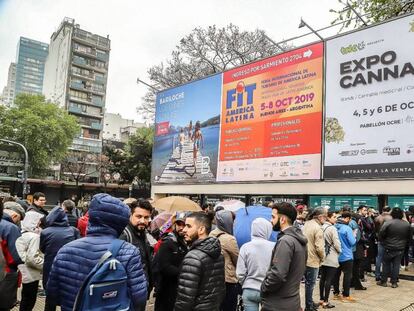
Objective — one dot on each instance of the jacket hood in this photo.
(31, 221)
(341, 222)
(57, 218)
(261, 228)
(211, 246)
(297, 234)
(224, 220)
(107, 215)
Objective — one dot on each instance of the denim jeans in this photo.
(391, 265)
(378, 261)
(251, 299)
(310, 279)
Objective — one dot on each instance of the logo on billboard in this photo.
(205, 165)
(368, 151)
(239, 102)
(162, 128)
(391, 151)
(349, 153)
(352, 48)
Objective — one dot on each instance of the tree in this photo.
(204, 52)
(133, 163)
(42, 127)
(373, 11)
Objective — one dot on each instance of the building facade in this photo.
(117, 128)
(7, 96)
(30, 66)
(76, 74)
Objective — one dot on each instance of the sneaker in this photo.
(337, 297)
(348, 299)
(394, 285)
(328, 306)
(41, 293)
(383, 284)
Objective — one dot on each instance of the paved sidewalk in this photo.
(375, 298)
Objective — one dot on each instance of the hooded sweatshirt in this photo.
(229, 247)
(28, 248)
(251, 268)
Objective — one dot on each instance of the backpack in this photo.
(3, 263)
(105, 287)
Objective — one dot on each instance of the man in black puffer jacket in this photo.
(201, 284)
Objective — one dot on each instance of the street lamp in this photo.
(304, 24)
(26, 164)
(274, 43)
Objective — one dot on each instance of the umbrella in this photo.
(231, 205)
(160, 220)
(176, 204)
(243, 222)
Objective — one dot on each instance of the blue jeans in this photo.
(310, 279)
(251, 299)
(378, 261)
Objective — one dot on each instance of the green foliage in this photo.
(373, 11)
(42, 127)
(135, 161)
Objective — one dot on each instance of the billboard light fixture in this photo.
(304, 24)
(147, 84)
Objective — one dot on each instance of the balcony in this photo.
(96, 125)
(91, 39)
(97, 102)
(102, 56)
(75, 109)
(82, 75)
(78, 86)
(100, 80)
(87, 144)
(80, 61)
(80, 99)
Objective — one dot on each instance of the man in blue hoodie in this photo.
(108, 217)
(347, 238)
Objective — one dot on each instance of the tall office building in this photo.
(76, 74)
(30, 59)
(7, 96)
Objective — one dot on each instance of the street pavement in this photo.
(375, 298)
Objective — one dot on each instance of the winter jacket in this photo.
(57, 233)
(280, 288)
(395, 234)
(108, 217)
(140, 241)
(170, 256)
(73, 220)
(348, 241)
(9, 233)
(316, 243)
(41, 211)
(229, 247)
(379, 220)
(332, 245)
(201, 284)
(28, 248)
(251, 268)
(83, 224)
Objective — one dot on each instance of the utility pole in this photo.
(26, 163)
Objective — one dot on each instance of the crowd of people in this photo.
(107, 257)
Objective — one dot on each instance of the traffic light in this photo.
(20, 175)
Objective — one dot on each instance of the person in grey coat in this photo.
(280, 288)
(251, 269)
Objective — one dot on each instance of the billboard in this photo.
(187, 125)
(271, 118)
(336, 203)
(369, 96)
(403, 202)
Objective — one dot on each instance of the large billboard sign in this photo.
(271, 118)
(369, 123)
(187, 125)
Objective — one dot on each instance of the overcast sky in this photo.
(143, 33)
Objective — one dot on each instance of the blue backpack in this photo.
(105, 287)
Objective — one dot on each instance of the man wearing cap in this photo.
(168, 261)
(9, 232)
